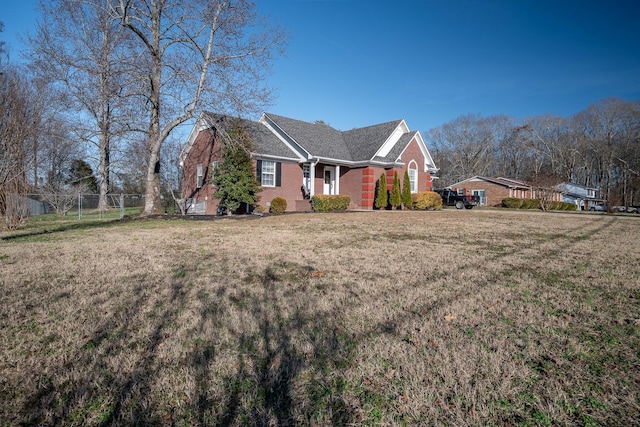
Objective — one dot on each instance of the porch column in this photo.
(312, 178)
(337, 189)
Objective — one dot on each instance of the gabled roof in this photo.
(282, 137)
(505, 182)
(322, 141)
(266, 142)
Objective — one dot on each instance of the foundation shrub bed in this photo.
(514, 203)
(330, 203)
(511, 203)
(563, 206)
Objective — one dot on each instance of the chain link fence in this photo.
(85, 206)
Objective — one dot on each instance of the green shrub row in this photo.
(427, 200)
(278, 205)
(563, 206)
(327, 203)
(514, 203)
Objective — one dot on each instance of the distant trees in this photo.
(81, 49)
(16, 144)
(133, 71)
(598, 147)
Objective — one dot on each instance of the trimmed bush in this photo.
(395, 198)
(427, 200)
(530, 204)
(511, 203)
(382, 194)
(563, 206)
(328, 203)
(278, 205)
(407, 200)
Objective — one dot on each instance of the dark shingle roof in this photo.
(364, 142)
(266, 142)
(321, 140)
(318, 139)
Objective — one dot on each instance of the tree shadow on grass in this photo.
(290, 368)
(85, 389)
(266, 388)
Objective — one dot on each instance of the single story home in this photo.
(295, 160)
(493, 190)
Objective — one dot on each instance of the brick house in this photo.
(493, 190)
(296, 160)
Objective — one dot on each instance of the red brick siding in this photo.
(413, 152)
(291, 179)
(368, 188)
(204, 151)
(351, 185)
(494, 192)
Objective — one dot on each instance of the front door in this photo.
(329, 180)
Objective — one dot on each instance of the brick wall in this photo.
(290, 190)
(204, 151)
(494, 192)
(351, 185)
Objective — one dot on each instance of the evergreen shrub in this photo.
(530, 204)
(382, 194)
(427, 200)
(328, 203)
(278, 205)
(511, 203)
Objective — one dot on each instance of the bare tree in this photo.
(79, 46)
(468, 146)
(17, 122)
(196, 52)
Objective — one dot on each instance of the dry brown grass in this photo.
(388, 318)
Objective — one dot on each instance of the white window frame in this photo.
(214, 166)
(199, 177)
(413, 176)
(268, 178)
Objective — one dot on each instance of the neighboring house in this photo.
(493, 190)
(296, 160)
(584, 197)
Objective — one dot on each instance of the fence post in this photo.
(79, 206)
(121, 205)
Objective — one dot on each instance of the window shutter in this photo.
(259, 170)
(278, 174)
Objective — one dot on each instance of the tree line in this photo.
(112, 81)
(598, 147)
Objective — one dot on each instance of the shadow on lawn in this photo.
(264, 388)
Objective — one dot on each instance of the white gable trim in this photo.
(303, 154)
(391, 141)
(429, 165)
(201, 124)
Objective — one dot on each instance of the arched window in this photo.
(413, 176)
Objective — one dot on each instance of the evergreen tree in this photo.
(395, 199)
(407, 201)
(382, 196)
(81, 174)
(234, 177)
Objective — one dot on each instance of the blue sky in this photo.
(354, 63)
